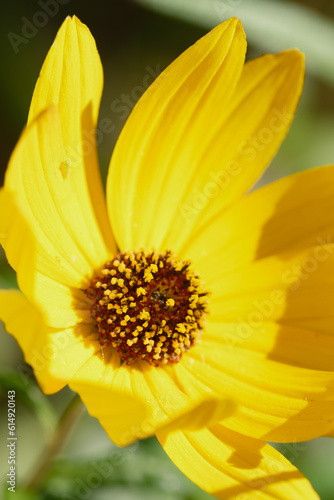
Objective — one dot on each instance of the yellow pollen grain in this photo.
(144, 314)
(121, 267)
(170, 302)
(181, 328)
(113, 281)
(140, 291)
(148, 276)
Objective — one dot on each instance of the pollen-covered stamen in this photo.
(148, 306)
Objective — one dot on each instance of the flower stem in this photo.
(69, 417)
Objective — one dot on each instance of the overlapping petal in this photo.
(257, 119)
(277, 400)
(169, 127)
(212, 157)
(232, 466)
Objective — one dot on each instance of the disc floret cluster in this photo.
(148, 305)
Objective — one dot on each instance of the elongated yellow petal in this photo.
(72, 79)
(46, 235)
(279, 396)
(290, 214)
(25, 323)
(157, 152)
(235, 467)
(220, 155)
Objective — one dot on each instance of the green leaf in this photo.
(271, 26)
(28, 393)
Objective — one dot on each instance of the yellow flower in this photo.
(198, 293)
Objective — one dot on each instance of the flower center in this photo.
(148, 306)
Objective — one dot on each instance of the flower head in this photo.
(183, 294)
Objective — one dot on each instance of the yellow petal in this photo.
(296, 289)
(190, 179)
(139, 399)
(156, 154)
(290, 214)
(25, 323)
(46, 235)
(72, 79)
(278, 396)
(205, 413)
(231, 466)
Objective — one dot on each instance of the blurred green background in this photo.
(136, 41)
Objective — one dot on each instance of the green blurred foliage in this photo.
(134, 44)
